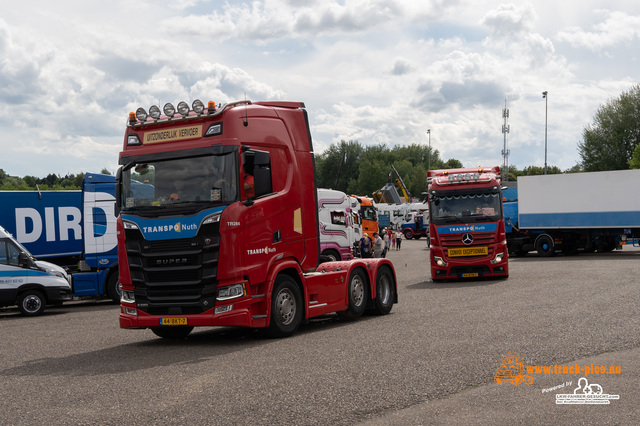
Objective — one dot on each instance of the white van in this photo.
(29, 283)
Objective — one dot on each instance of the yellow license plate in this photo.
(173, 321)
(468, 251)
(470, 275)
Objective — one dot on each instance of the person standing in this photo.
(398, 240)
(386, 244)
(378, 245)
(393, 240)
(365, 246)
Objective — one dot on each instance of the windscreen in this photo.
(469, 207)
(368, 213)
(192, 183)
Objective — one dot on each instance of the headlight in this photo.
(169, 110)
(498, 258)
(212, 219)
(231, 292)
(197, 106)
(141, 114)
(130, 311)
(154, 112)
(58, 274)
(440, 261)
(129, 225)
(128, 296)
(183, 108)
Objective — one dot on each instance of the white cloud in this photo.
(616, 28)
(376, 71)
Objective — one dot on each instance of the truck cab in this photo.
(466, 224)
(29, 283)
(339, 224)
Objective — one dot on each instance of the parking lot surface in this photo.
(431, 361)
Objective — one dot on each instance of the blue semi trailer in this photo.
(73, 229)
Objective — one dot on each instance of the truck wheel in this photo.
(113, 287)
(31, 303)
(358, 295)
(408, 234)
(173, 333)
(332, 255)
(286, 307)
(385, 291)
(544, 246)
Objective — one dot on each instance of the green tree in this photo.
(337, 167)
(609, 143)
(537, 170)
(77, 180)
(575, 169)
(634, 163)
(452, 163)
(354, 169)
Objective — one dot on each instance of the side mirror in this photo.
(24, 260)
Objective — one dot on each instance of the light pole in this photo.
(429, 133)
(545, 96)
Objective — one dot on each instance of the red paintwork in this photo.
(489, 177)
(281, 128)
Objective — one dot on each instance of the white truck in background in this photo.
(339, 224)
(574, 212)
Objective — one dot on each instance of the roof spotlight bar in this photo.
(181, 113)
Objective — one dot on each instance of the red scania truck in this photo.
(466, 224)
(221, 226)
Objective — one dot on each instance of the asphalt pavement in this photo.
(432, 360)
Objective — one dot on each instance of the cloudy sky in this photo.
(375, 71)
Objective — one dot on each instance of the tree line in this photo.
(353, 168)
(51, 182)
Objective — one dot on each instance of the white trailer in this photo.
(575, 211)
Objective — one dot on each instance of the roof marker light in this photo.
(154, 112)
(183, 108)
(169, 109)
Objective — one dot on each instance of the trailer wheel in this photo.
(31, 303)
(545, 246)
(408, 234)
(385, 291)
(358, 295)
(173, 333)
(113, 287)
(286, 307)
